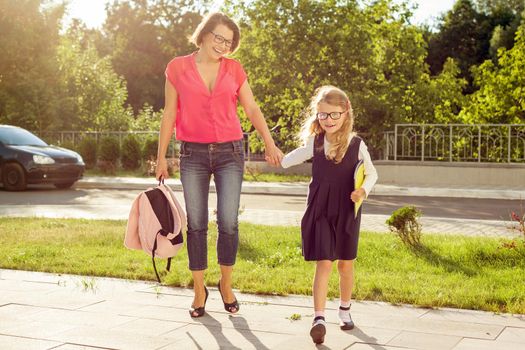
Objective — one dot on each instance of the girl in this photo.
(202, 90)
(329, 228)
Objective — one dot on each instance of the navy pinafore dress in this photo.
(329, 230)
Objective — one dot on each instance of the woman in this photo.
(201, 94)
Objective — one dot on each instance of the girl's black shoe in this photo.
(230, 307)
(199, 311)
(318, 330)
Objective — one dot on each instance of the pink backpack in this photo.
(155, 224)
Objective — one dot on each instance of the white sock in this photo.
(319, 318)
(344, 315)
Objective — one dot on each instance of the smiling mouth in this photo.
(218, 51)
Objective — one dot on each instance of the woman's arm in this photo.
(166, 129)
(253, 112)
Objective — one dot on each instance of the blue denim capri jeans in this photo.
(198, 161)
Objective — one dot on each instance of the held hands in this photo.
(357, 195)
(273, 155)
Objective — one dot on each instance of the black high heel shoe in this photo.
(199, 311)
(230, 307)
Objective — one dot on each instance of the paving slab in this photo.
(123, 314)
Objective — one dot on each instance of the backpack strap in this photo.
(153, 255)
(168, 265)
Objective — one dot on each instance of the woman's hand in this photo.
(357, 195)
(161, 169)
(273, 154)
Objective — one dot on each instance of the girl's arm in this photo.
(370, 170)
(166, 129)
(299, 155)
(253, 112)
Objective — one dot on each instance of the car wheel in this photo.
(14, 177)
(64, 185)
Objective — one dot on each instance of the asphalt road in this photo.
(110, 200)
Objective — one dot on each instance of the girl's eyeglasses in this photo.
(333, 115)
(219, 39)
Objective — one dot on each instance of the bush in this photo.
(149, 150)
(109, 149)
(108, 154)
(88, 150)
(130, 153)
(68, 144)
(404, 222)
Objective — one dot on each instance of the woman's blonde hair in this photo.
(208, 24)
(311, 126)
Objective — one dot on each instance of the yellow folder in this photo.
(359, 178)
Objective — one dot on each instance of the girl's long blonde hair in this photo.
(335, 97)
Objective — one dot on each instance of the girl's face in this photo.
(218, 43)
(325, 114)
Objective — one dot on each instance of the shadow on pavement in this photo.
(240, 324)
(215, 329)
(370, 341)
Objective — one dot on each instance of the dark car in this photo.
(26, 159)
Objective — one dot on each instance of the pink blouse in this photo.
(202, 116)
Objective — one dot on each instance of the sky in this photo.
(92, 12)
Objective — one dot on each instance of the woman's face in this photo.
(218, 43)
(330, 125)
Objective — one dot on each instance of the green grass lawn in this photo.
(450, 271)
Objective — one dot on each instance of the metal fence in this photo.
(72, 139)
(502, 143)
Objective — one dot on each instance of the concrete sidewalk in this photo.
(301, 188)
(49, 311)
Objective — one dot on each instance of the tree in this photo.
(500, 98)
(463, 35)
(28, 69)
(93, 96)
(289, 48)
(142, 36)
(472, 32)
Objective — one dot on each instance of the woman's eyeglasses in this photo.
(219, 39)
(333, 115)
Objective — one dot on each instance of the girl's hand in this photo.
(273, 155)
(161, 169)
(357, 195)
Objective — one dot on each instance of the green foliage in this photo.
(109, 149)
(146, 119)
(404, 222)
(143, 37)
(88, 150)
(438, 99)
(131, 153)
(291, 48)
(93, 95)
(29, 76)
(463, 35)
(149, 150)
(501, 87)
(68, 144)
